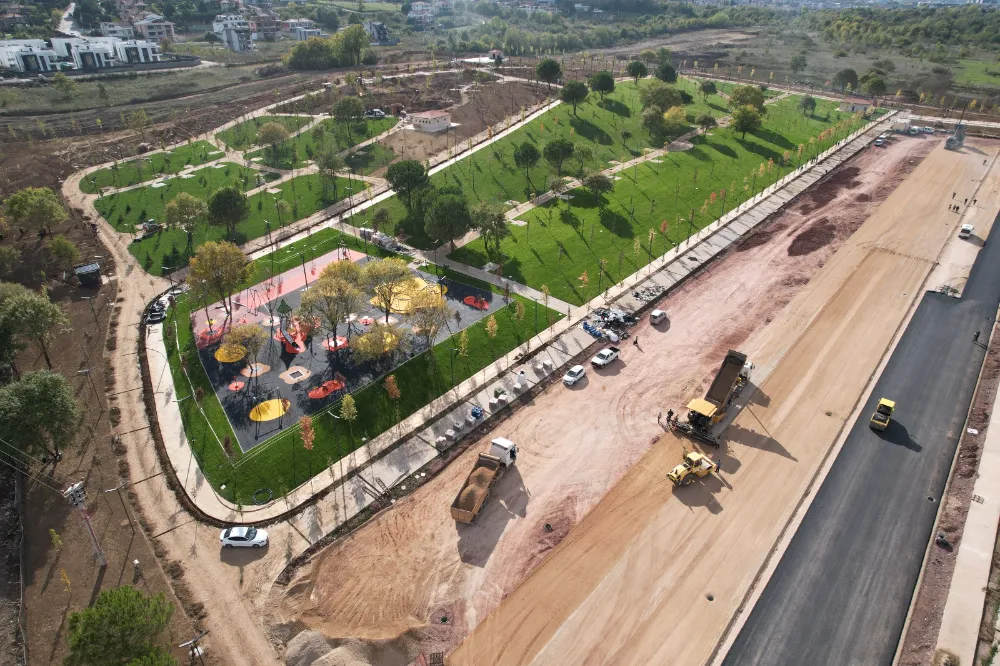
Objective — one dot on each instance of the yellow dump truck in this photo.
(488, 469)
(883, 415)
(703, 413)
(695, 465)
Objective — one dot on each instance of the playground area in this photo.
(304, 367)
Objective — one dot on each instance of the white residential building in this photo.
(28, 56)
(155, 28)
(421, 12)
(431, 121)
(117, 30)
(441, 6)
(234, 31)
(133, 52)
(86, 52)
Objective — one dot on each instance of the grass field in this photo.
(244, 135)
(491, 175)
(688, 190)
(147, 168)
(370, 158)
(978, 72)
(169, 247)
(727, 87)
(282, 464)
(299, 149)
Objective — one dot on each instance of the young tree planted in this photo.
(489, 219)
(218, 269)
(526, 156)
(385, 279)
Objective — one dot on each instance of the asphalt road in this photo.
(841, 591)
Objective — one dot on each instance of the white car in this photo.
(965, 230)
(575, 374)
(879, 142)
(656, 316)
(243, 537)
(375, 113)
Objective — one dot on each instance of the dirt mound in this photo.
(822, 194)
(820, 234)
(478, 482)
(863, 197)
(351, 653)
(760, 236)
(306, 648)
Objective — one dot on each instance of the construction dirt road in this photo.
(664, 573)
(639, 562)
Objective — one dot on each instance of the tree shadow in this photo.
(590, 131)
(699, 154)
(617, 108)
(773, 137)
(722, 148)
(567, 216)
(477, 540)
(616, 223)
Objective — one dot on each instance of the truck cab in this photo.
(505, 450)
(883, 415)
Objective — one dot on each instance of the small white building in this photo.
(117, 30)
(431, 121)
(856, 105)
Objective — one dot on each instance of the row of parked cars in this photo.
(606, 356)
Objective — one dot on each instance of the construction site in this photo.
(586, 530)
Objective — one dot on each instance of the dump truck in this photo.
(695, 465)
(703, 413)
(883, 415)
(488, 469)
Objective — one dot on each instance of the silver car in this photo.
(245, 537)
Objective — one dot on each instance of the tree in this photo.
(282, 208)
(707, 88)
(38, 413)
(658, 93)
(648, 55)
(558, 151)
(33, 317)
(139, 122)
(637, 70)
(347, 111)
(597, 183)
(218, 269)
(64, 251)
(602, 83)
(884, 65)
(674, 120)
(798, 63)
(626, 135)
(428, 314)
(63, 84)
(666, 73)
(705, 121)
(124, 626)
(845, 78)
(747, 96)
(228, 207)
(335, 295)
(448, 216)
(10, 257)
(386, 279)
(575, 93)
(35, 208)
(873, 85)
(526, 156)
(250, 337)
(808, 104)
(382, 339)
(381, 219)
(548, 70)
(406, 177)
(329, 162)
(272, 134)
(746, 119)
(350, 42)
(492, 225)
(185, 212)
(314, 53)
(652, 121)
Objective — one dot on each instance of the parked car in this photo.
(243, 537)
(575, 374)
(656, 316)
(927, 130)
(965, 230)
(155, 316)
(605, 356)
(375, 113)
(880, 142)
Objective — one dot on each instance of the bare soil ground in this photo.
(480, 106)
(412, 575)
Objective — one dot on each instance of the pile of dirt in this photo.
(761, 235)
(820, 195)
(306, 648)
(479, 481)
(311, 648)
(817, 235)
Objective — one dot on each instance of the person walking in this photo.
(635, 341)
(975, 338)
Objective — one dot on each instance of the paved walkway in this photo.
(412, 443)
(963, 611)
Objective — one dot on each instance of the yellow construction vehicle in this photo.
(703, 413)
(883, 414)
(695, 465)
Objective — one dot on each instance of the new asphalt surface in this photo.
(841, 591)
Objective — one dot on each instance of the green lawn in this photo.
(169, 247)
(564, 239)
(369, 159)
(150, 167)
(244, 135)
(491, 175)
(727, 87)
(301, 148)
(979, 72)
(282, 463)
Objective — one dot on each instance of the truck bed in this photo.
(724, 380)
(476, 488)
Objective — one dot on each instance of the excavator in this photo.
(704, 413)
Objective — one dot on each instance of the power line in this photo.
(16, 468)
(34, 459)
(47, 480)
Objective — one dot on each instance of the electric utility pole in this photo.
(78, 498)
